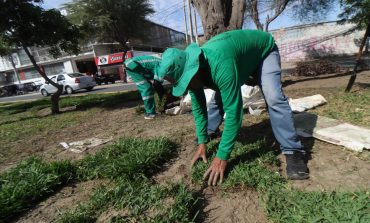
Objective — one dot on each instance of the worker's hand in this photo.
(215, 171)
(201, 153)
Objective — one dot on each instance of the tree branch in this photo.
(255, 15)
(278, 10)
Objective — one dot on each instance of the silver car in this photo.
(71, 83)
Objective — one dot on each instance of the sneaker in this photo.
(296, 168)
(149, 116)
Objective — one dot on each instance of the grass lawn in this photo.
(130, 163)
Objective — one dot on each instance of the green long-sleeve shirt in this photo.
(229, 59)
(145, 66)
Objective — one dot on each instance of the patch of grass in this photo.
(127, 158)
(80, 102)
(99, 100)
(139, 200)
(20, 122)
(254, 166)
(127, 163)
(288, 205)
(249, 166)
(25, 129)
(351, 107)
(160, 103)
(30, 181)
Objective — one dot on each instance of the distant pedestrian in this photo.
(143, 70)
(224, 63)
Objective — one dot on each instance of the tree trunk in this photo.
(358, 58)
(220, 15)
(14, 68)
(54, 97)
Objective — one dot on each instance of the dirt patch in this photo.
(66, 199)
(334, 168)
(325, 81)
(109, 214)
(241, 206)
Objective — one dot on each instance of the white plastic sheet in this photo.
(306, 103)
(252, 100)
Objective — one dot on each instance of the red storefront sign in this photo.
(112, 58)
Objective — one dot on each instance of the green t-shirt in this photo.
(147, 66)
(229, 59)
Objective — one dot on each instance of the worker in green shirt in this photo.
(224, 63)
(143, 70)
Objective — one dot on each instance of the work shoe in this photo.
(296, 168)
(149, 116)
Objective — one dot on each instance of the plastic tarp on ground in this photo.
(306, 103)
(333, 131)
(81, 146)
(253, 100)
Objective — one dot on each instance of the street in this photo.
(99, 89)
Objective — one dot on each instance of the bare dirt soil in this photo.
(331, 166)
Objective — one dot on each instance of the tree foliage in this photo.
(356, 11)
(111, 20)
(27, 25)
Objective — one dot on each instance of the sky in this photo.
(170, 13)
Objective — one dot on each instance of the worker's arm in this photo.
(229, 87)
(199, 109)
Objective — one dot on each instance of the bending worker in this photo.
(143, 70)
(223, 64)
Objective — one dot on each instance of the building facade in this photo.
(317, 40)
(85, 62)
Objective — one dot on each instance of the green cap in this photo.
(180, 66)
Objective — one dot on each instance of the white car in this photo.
(71, 83)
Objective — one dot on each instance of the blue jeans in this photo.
(281, 115)
(215, 113)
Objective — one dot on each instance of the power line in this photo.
(168, 8)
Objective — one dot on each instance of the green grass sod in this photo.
(30, 181)
(127, 163)
(139, 201)
(254, 167)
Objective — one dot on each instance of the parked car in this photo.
(17, 89)
(106, 79)
(71, 83)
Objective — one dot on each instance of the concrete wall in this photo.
(317, 40)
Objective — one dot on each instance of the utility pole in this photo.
(196, 26)
(186, 25)
(190, 22)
